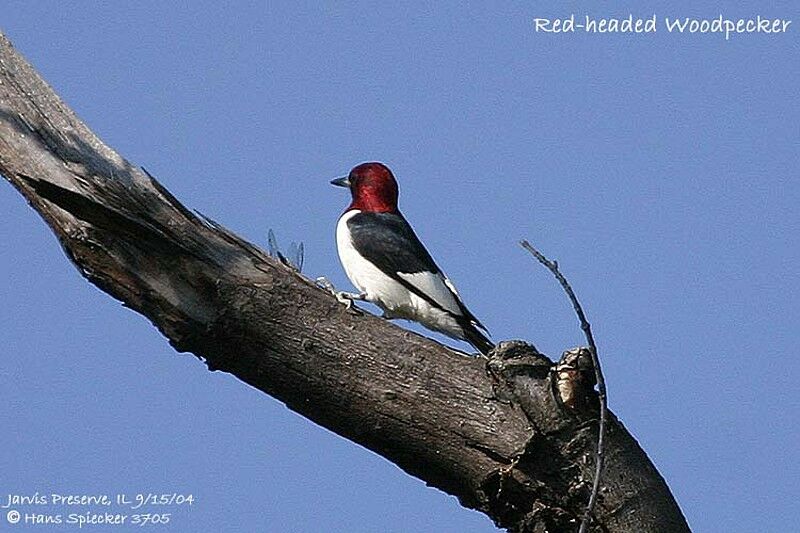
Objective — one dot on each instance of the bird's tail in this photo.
(475, 337)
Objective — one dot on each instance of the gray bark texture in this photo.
(495, 434)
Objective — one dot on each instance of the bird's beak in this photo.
(341, 182)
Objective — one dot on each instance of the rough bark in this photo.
(493, 434)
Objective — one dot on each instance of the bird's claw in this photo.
(343, 297)
(323, 283)
(347, 298)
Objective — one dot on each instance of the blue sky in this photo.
(660, 170)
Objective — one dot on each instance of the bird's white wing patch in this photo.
(436, 287)
(451, 286)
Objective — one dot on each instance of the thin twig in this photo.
(601, 383)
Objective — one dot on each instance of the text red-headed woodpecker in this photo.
(390, 267)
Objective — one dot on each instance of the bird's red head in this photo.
(373, 187)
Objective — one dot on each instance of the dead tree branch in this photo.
(499, 441)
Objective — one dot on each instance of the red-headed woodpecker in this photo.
(388, 264)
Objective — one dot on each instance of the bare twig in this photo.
(601, 384)
(293, 259)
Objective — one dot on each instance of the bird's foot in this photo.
(347, 298)
(343, 297)
(324, 283)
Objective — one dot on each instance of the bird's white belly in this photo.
(367, 278)
(386, 292)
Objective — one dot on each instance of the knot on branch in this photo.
(575, 380)
(514, 363)
(518, 358)
(540, 489)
